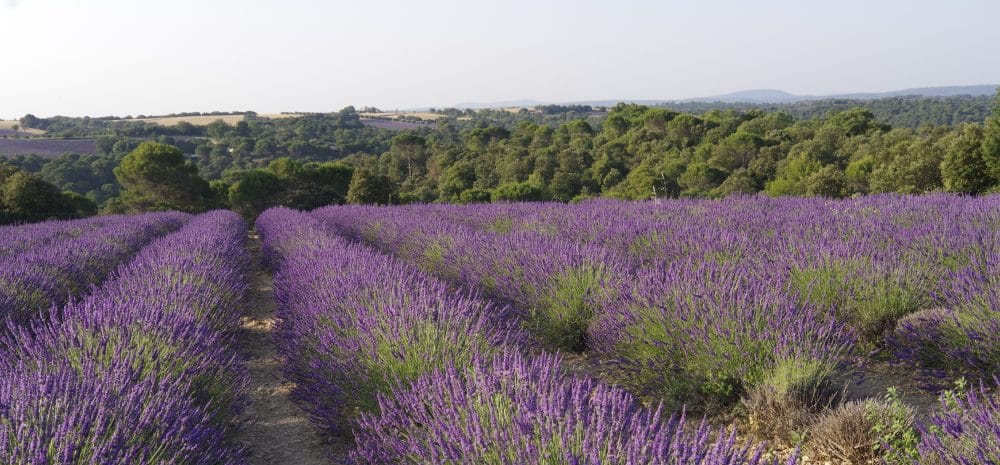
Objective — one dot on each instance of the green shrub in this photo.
(564, 313)
(865, 431)
(869, 298)
(789, 398)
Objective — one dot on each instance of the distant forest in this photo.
(832, 148)
(899, 112)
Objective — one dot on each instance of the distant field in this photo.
(11, 132)
(205, 120)
(416, 114)
(46, 148)
(7, 129)
(392, 125)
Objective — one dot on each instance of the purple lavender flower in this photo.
(142, 370)
(356, 322)
(966, 431)
(513, 410)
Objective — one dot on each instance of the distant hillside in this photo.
(504, 104)
(948, 91)
(780, 96)
(752, 96)
(763, 96)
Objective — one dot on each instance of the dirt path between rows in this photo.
(273, 429)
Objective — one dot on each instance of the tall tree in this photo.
(368, 187)
(407, 156)
(156, 176)
(991, 140)
(26, 197)
(963, 169)
(255, 192)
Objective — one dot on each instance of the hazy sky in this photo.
(103, 57)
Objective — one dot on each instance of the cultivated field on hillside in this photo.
(422, 115)
(204, 120)
(7, 128)
(394, 125)
(46, 148)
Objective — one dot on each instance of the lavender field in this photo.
(116, 347)
(393, 125)
(571, 333)
(748, 331)
(46, 148)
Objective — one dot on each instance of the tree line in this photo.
(26, 197)
(640, 152)
(899, 112)
(634, 152)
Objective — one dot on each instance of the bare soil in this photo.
(875, 378)
(274, 430)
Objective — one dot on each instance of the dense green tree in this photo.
(991, 140)
(830, 148)
(319, 184)
(79, 205)
(407, 156)
(6, 171)
(31, 121)
(794, 172)
(220, 190)
(963, 169)
(740, 182)
(856, 122)
(735, 151)
(517, 192)
(156, 176)
(368, 187)
(84, 174)
(564, 186)
(457, 178)
(913, 167)
(829, 181)
(474, 195)
(26, 197)
(256, 191)
(700, 178)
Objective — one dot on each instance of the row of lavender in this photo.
(426, 374)
(725, 299)
(873, 261)
(693, 329)
(142, 370)
(48, 273)
(929, 261)
(19, 238)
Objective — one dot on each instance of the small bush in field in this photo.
(790, 397)
(568, 307)
(866, 295)
(863, 431)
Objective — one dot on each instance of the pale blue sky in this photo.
(100, 57)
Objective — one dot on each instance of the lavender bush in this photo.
(88, 415)
(966, 430)
(20, 238)
(140, 371)
(513, 410)
(962, 335)
(36, 280)
(714, 331)
(554, 284)
(356, 322)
